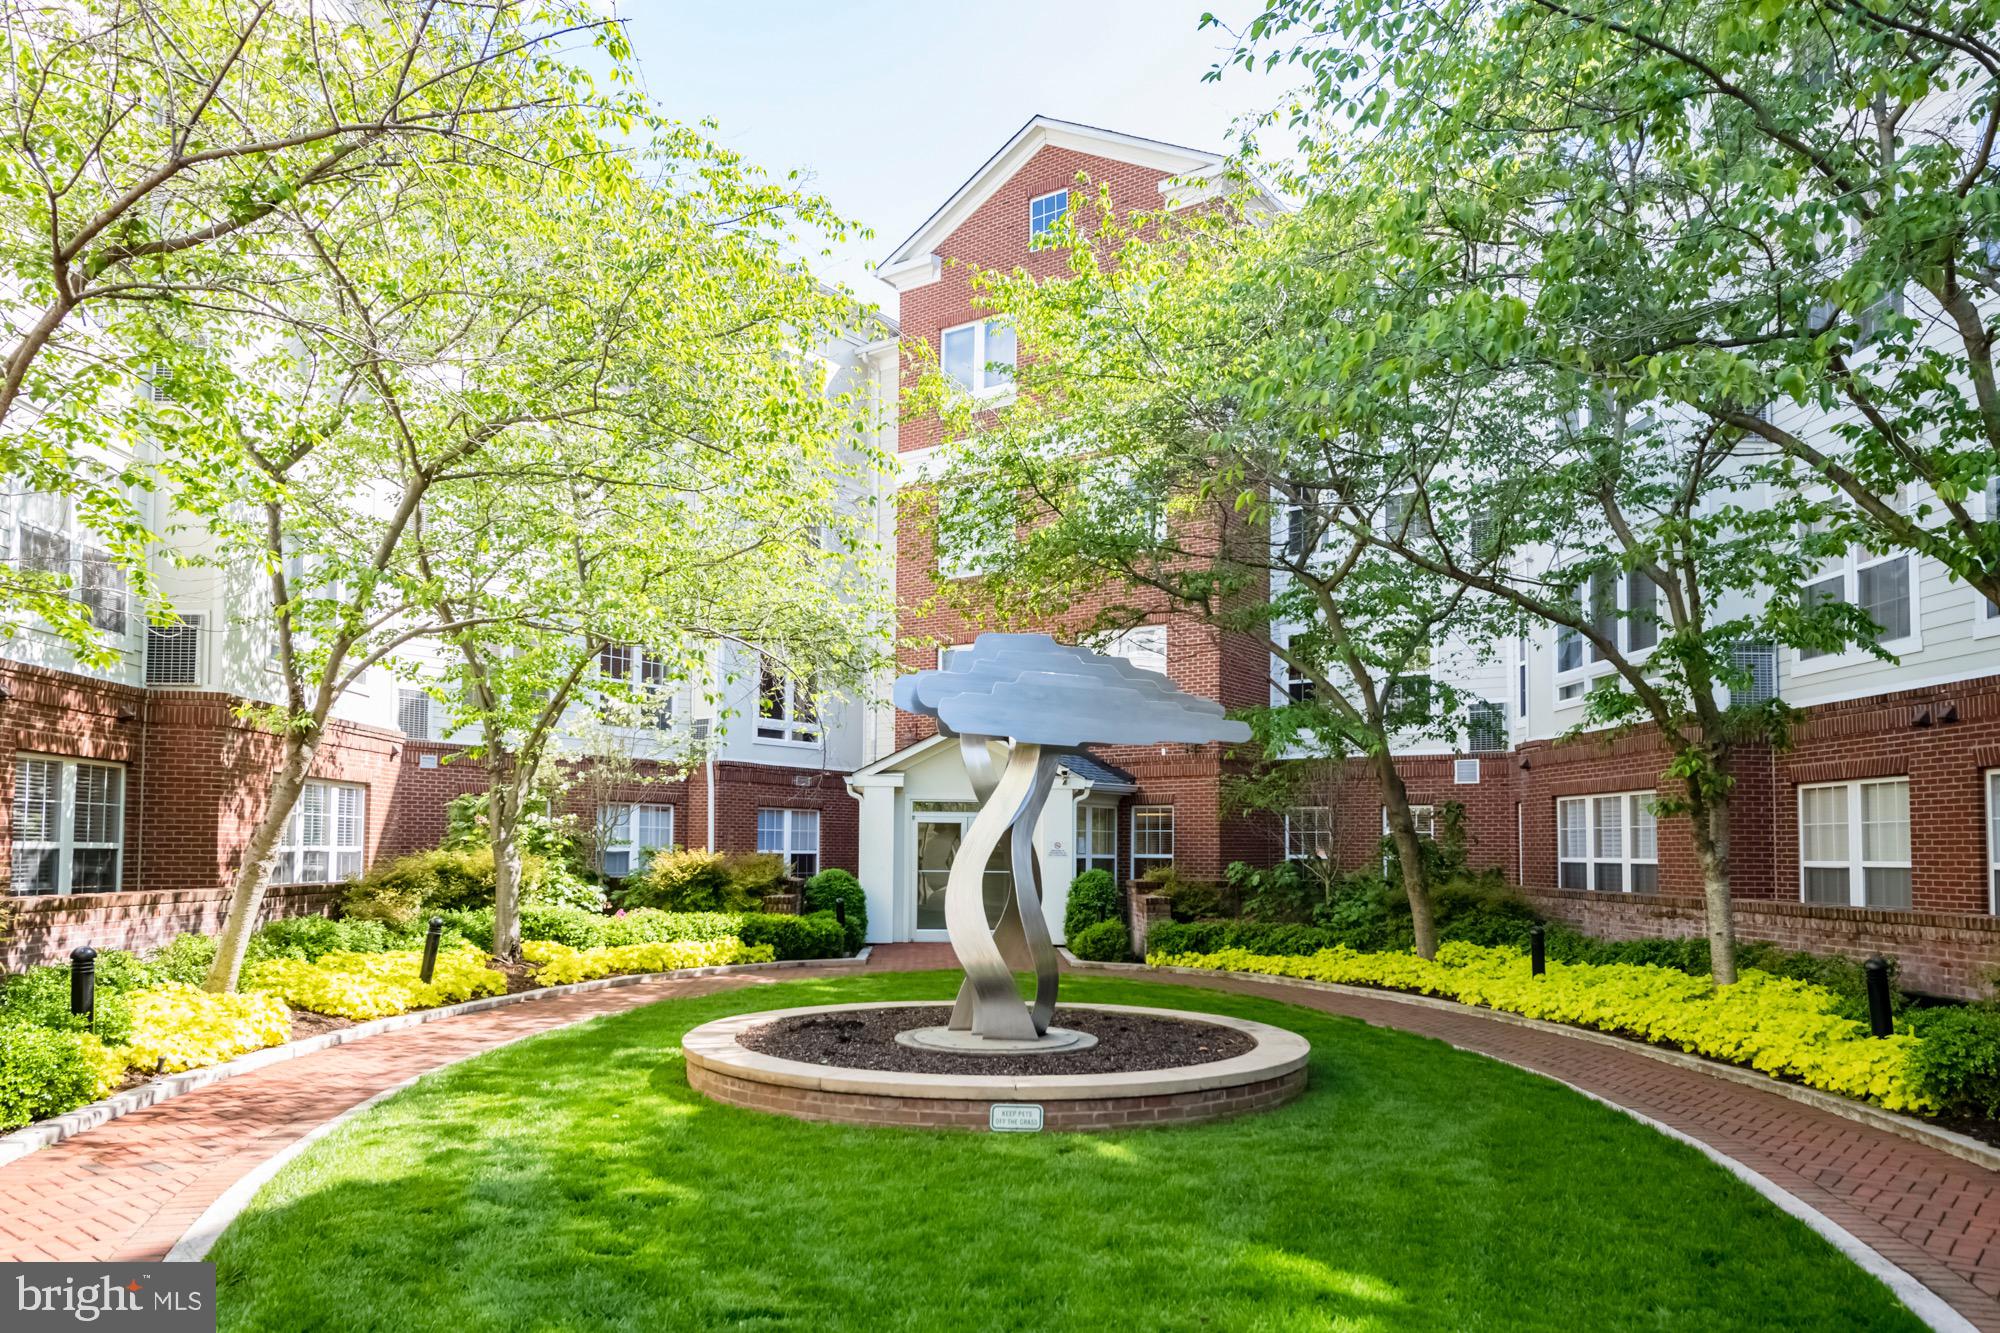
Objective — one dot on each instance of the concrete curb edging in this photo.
(1961, 1146)
(47, 1133)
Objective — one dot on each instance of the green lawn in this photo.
(574, 1182)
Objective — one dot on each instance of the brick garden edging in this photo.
(47, 1133)
(1944, 1140)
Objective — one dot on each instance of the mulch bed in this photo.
(866, 1039)
(306, 1023)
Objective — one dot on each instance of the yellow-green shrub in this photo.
(558, 964)
(375, 985)
(176, 1026)
(1781, 1027)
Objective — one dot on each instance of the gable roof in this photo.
(1174, 159)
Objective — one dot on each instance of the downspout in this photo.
(713, 740)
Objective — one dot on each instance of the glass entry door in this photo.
(939, 837)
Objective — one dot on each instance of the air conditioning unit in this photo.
(173, 652)
(413, 714)
(701, 727)
(1760, 662)
(1465, 772)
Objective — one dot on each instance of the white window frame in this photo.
(792, 834)
(1590, 664)
(1053, 219)
(1992, 776)
(344, 838)
(1848, 570)
(1986, 611)
(65, 843)
(618, 827)
(1858, 863)
(643, 674)
(1092, 819)
(79, 558)
(1596, 860)
(1308, 826)
(984, 383)
(1150, 838)
(793, 719)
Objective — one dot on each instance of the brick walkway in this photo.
(130, 1188)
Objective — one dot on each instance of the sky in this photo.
(888, 105)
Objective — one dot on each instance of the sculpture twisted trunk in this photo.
(1011, 801)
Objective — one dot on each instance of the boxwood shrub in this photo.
(44, 1072)
(828, 887)
(1093, 897)
(814, 936)
(1102, 942)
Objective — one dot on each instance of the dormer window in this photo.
(979, 357)
(1045, 210)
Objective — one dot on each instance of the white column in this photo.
(881, 801)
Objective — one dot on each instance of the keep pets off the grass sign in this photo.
(125, 1298)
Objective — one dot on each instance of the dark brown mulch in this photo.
(1973, 1127)
(866, 1039)
(519, 977)
(306, 1023)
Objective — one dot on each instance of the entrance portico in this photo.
(915, 807)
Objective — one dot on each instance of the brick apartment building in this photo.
(1877, 830)
(1915, 744)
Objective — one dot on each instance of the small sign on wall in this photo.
(1014, 1118)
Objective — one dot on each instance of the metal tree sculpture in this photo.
(1015, 701)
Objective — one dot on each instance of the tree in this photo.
(589, 582)
(150, 151)
(1715, 204)
(459, 335)
(1146, 449)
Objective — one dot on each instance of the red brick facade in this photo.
(196, 780)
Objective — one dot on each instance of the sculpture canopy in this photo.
(1035, 697)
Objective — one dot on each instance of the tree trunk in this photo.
(1709, 820)
(504, 815)
(246, 899)
(1409, 854)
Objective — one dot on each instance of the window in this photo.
(1854, 843)
(1608, 843)
(1879, 585)
(1299, 687)
(48, 539)
(413, 714)
(785, 709)
(629, 834)
(1423, 817)
(645, 676)
(1623, 608)
(1045, 210)
(792, 834)
(979, 357)
(69, 824)
(1097, 839)
(1993, 838)
(323, 839)
(1521, 675)
(1152, 838)
(1308, 833)
(1986, 616)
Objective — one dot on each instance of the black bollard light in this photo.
(840, 912)
(1538, 958)
(431, 937)
(1881, 1019)
(83, 983)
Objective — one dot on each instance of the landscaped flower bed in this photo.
(376, 985)
(1781, 1027)
(559, 964)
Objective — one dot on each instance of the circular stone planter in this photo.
(1270, 1074)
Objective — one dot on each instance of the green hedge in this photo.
(815, 936)
(1102, 942)
(1093, 897)
(828, 887)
